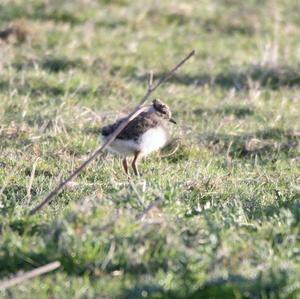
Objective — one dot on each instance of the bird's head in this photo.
(163, 110)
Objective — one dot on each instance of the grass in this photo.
(228, 225)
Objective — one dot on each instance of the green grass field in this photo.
(228, 225)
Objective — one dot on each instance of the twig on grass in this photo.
(31, 178)
(138, 109)
(154, 204)
(111, 224)
(158, 201)
(27, 275)
(228, 157)
(139, 198)
(109, 255)
(150, 82)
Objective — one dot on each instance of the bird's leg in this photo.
(134, 163)
(125, 165)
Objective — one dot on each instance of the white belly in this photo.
(150, 141)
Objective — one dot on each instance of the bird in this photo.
(146, 133)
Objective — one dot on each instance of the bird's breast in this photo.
(153, 139)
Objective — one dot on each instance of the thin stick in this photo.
(158, 201)
(30, 274)
(170, 73)
(150, 83)
(138, 109)
(154, 204)
(139, 198)
(31, 178)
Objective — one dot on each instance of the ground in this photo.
(228, 222)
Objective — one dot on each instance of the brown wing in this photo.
(138, 126)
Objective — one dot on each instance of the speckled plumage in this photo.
(138, 126)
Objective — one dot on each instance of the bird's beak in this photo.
(173, 121)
